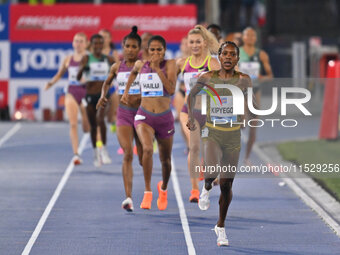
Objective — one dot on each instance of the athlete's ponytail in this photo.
(133, 35)
(209, 37)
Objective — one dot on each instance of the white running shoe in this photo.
(127, 204)
(105, 156)
(97, 159)
(204, 202)
(222, 239)
(77, 160)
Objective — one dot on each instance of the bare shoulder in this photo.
(206, 75)
(85, 59)
(180, 62)
(171, 63)
(214, 64)
(245, 80)
(263, 55)
(67, 61)
(115, 66)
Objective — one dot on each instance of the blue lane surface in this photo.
(264, 218)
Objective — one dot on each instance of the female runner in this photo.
(97, 66)
(221, 138)
(75, 91)
(202, 43)
(154, 117)
(109, 50)
(126, 112)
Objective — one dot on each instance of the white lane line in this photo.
(10, 133)
(54, 198)
(181, 208)
(300, 192)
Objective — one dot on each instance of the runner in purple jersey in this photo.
(202, 44)
(154, 117)
(126, 111)
(75, 91)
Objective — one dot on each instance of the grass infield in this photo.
(316, 158)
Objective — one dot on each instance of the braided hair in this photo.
(226, 43)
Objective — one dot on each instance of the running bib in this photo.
(250, 68)
(99, 71)
(72, 75)
(151, 85)
(222, 112)
(122, 78)
(190, 80)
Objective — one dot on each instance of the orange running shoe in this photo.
(162, 201)
(147, 200)
(195, 194)
(135, 150)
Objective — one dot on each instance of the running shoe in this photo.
(204, 202)
(77, 160)
(127, 204)
(147, 200)
(105, 156)
(155, 147)
(222, 239)
(195, 194)
(113, 127)
(162, 201)
(99, 144)
(120, 151)
(97, 159)
(135, 150)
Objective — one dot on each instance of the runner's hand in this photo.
(125, 98)
(191, 124)
(48, 85)
(101, 102)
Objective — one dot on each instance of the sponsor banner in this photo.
(33, 89)
(4, 60)
(42, 60)
(59, 23)
(4, 11)
(37, 60)
(3, 94)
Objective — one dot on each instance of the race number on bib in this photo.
(190, 80)
(122, 78)
(72, 75)
(251, 68)
(99, 71)
(151, 85)
(222, 112)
